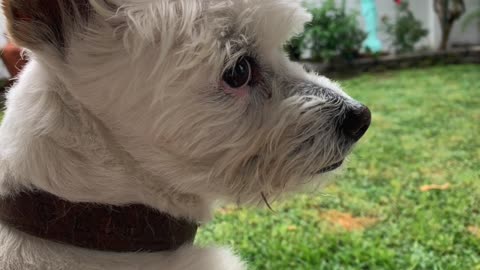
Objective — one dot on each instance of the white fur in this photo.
(132, 112)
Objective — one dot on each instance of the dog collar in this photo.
(130, 228)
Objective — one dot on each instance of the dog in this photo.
(166, 107)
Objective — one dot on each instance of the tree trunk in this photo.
(447, 14)
(445, 37)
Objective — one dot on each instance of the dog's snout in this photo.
(356, 122)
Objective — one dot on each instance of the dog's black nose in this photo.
(356, 123)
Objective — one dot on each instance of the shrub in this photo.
(295, 47)
(331, 33)
(406, 31)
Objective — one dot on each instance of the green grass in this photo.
(426, 128)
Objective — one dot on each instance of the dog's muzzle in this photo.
(355, 118)
(340, 121)
(354, 126)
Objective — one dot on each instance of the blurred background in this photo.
(409, 197)
(463, 32)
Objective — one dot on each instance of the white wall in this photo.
(423, 11)
(3, 41)
(471, 35)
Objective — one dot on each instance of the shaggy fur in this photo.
(123, 102)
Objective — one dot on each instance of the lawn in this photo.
(426, 130)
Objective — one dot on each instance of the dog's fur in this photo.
(123, 102)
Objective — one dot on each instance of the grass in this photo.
(426, 128)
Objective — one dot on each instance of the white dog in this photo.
(170, 105)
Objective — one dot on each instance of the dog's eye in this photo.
(239, 75)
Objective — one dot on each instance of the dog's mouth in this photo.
(330, 167)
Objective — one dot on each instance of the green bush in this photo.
(331, 33)
(406, 31)
(295, 47)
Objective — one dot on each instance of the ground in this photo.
(409, 199)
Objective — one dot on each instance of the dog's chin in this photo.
(330, 167)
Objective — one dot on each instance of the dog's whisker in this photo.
(264, 198)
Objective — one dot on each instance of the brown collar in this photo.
(94, 226)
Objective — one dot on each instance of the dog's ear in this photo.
(32, 23)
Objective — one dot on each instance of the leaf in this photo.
(426, 188)
(347, 221)
(474, 230)
(292, 228)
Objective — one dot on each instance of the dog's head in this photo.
(199, 92)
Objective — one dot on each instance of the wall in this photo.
(3, 41)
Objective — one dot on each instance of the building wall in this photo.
(423, 11)
(3, 41)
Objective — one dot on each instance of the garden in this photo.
(335, 43)
(409, 197)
